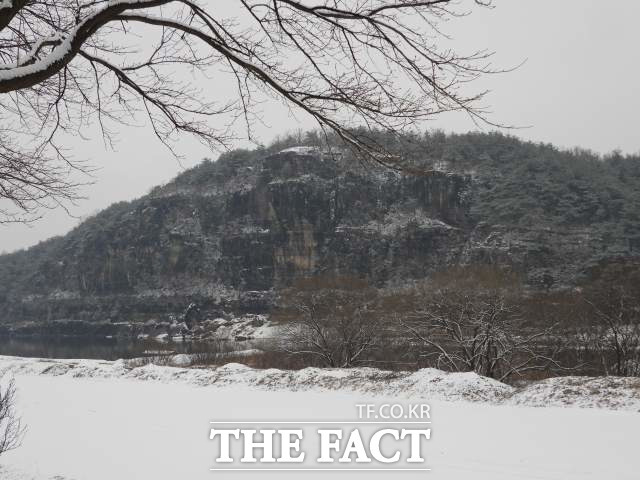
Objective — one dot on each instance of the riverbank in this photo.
(610, 393)
(100, 420)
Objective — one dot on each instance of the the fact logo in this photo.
(386, 437)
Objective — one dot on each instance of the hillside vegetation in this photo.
(254, 221)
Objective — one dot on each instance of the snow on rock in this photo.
(320, 152)
(180, 360)
(612, 393)
(397, 220)
(246, 327)
(301, 150)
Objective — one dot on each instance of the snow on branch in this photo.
(351, 66)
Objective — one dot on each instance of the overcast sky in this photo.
(580, 86)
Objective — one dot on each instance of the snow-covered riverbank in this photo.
(99, 420)
(611, 393)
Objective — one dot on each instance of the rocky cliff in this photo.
(226, 235)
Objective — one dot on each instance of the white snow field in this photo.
(98, 420)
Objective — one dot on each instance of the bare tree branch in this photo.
(67, 64)
(11, 428)
(479, 329)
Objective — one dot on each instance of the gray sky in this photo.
(580, 86)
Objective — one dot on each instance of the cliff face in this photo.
(227, 234)
(228, 240)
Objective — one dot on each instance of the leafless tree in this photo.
(612, 330)
(332, 319)
(68, 64)
(478, 329)
(11, 429)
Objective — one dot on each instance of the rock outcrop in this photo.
(226, 235)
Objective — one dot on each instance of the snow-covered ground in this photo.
(101, 420)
